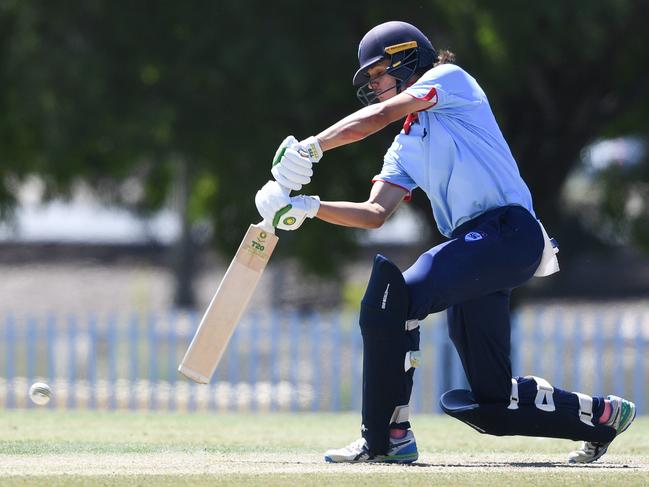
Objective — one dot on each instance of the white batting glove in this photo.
(301, 208)
(285, 213)
(270, 199)
(310, 147)
(293, 160)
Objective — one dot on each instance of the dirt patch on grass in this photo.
(276, 463)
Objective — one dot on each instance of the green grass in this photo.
(42, 447)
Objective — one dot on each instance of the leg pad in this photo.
(526, 420)
(390, 354)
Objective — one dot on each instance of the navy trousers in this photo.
(471, 276)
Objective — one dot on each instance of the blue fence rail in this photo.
(290, 361)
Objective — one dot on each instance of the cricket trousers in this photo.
(471, 276)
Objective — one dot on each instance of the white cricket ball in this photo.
(40, 393)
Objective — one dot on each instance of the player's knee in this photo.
(385, 304)
(384, 308)
(424, 298)
(425, 284)
(492, 392)
(383, 318)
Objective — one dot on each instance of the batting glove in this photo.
(271, 198)
(285, 213)
(310, 148)
(300, 208)
(293, 160)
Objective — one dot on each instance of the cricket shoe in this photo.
(402, 450)
(622, 415)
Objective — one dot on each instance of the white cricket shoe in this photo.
(622, 415)
(402, 450)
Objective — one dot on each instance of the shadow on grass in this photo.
(594, 466)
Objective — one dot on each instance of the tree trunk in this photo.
(183, 258)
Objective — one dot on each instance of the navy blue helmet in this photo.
(406, 48)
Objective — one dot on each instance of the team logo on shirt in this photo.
(474, 236)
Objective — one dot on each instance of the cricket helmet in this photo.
(406, 48)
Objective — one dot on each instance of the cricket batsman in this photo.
(452, 148)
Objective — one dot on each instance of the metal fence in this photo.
(285, 361)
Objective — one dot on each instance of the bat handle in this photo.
(266, 225)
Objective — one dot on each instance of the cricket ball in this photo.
(40, 393)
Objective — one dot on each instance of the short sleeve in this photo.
(392, 171)
(447, 87)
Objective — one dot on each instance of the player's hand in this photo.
(310, 147)
(293, 160)
(301, 208)
(271, 198)
(285, 213)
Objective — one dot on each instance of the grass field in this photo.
(53, 448)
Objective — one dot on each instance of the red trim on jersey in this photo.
(407, 197)
(431, 94)
(412, 117)
(427, 97)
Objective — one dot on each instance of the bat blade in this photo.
(228, 304)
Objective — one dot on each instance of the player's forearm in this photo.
(347, 214)
(357, 126)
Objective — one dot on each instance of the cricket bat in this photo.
(229, 303)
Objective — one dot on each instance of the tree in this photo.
(110, 91)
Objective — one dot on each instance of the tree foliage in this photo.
(617, 206)
(110, 91)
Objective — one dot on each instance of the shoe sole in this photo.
(384, 460)
(405, 460)
(402, 459)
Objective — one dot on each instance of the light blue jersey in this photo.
(455, 152)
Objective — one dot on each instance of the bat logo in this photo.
(258, 247)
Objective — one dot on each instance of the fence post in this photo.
(112, 341)
(153, 360)
(313, 322)
(275, 336)
(639, 369)
(72, 362)
(560, 360)
(172, 336)
(537, 345)
(619, 382)
(51, 355)
(253, 358)
(92, 360)
(31, 337)
(598, 350)
(578, 346)
(134, 357)
(294, 359)
(336, 348)
(10, 348)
